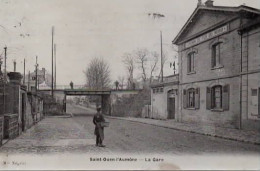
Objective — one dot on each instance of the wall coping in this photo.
(11, 115)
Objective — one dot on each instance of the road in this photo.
(75, 135)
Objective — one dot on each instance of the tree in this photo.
(153, 64)
(142, 59)
(98, 74)
(121, 80)
(129, 62)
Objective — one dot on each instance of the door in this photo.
(171, 105)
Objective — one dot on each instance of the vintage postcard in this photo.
(129, 84)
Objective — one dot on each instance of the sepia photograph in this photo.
(130, 85)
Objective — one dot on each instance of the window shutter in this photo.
(185, 99)
(208, 98)
(197, 98)
(225, 97)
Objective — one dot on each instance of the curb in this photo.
(190, 131)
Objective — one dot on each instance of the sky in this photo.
(85, 29)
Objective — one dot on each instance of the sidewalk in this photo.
(226, 133)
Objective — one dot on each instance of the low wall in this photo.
(11, 126)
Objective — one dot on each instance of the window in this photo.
(217, 97)
(254, 92)
(216, 51)
(191, 98)
(191, 62)
(161, 89)
(158, 90)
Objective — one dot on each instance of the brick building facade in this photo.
(218, 71)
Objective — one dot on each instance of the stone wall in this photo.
(1, 130)
(130, 104)
(11, 126)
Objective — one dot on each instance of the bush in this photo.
(131, 106)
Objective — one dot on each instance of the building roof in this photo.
(249, 26)
(238, 9)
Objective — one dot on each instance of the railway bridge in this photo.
(108, 96)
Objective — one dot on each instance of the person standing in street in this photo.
(99, 130)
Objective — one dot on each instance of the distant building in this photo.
(43, 77)
(219, 66)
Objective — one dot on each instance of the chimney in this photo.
(43, 69)
(209, 3)
(199, 3)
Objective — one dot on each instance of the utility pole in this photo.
(5, 48)
(24, 71)
(161, 58)
(52, 61)
(55, 66)
(29, 77)
(36, 74)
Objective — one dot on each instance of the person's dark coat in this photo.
(99, 131)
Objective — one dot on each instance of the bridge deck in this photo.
(87, 92)
(77, 92)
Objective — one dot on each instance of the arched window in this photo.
(190, 64)
(216, 54)
(217, 97)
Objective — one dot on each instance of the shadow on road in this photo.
(83, 114)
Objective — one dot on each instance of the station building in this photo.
(219, 66)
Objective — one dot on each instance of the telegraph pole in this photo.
(55, 66)
(36, 73)
(5, 48)
(24, 71)
(161, 58)
(29, 77)
(52, 61)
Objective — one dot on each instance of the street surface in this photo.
(76, 135)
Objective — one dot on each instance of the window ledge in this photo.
(217, 67)
(217, 110)
(191, 108)
(193, 72)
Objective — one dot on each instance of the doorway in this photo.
(171, 104)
